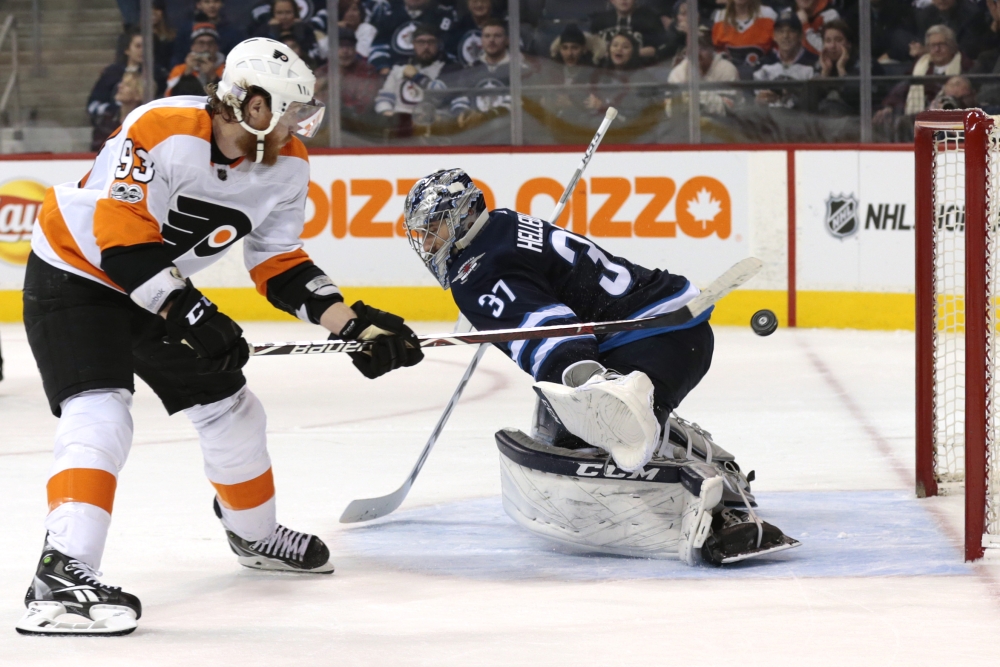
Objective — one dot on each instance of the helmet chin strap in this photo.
(260, 139)
(234, 102)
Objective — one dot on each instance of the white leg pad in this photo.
(613, 414)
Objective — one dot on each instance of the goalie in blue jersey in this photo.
(598, 396)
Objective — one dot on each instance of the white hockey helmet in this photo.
(273, 67)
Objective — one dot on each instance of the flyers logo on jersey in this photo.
(203, 226)
(19, 204)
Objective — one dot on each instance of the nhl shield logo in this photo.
(842, 215)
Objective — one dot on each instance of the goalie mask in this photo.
(272, 67)
(442, 214)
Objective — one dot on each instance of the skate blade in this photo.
(790, 544)
(52, 619)
(275, 565)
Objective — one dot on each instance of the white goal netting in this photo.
(991, 537)
(949, 315)
(949, 343)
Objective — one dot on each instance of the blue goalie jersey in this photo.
(520, 271)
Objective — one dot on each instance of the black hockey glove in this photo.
(197, 321)
(393, 343)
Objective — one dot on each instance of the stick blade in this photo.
(738, 273)
(368, 509)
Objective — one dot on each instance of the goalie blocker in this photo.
(690, 501)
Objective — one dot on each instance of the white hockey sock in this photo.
(91, 446)
(232, 433)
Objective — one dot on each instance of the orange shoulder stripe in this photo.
(61, 239)
(295, 148)
(269, 268)
(161, 123)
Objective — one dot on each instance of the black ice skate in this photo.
(285, 550)
(738, 535)
(66, 598)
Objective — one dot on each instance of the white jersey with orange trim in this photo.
(154, 182)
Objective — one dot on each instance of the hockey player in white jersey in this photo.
(107, 295)
(605, 467)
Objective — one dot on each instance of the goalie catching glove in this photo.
(393, 343)
(196, 321)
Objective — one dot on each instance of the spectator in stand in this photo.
(965, 18)
(789, 61)
(359, 84)
(572, 61)
(615, 84)
(814, 14)
(838, 60)
(401, 99)
(164, 37)
(988, 61)
(744, 30)
(395, 24)
(942, 59)
(312, 12)
(465, 43)
(207, 11)
(891, 25)
(675, 40)
(285, 22)
(641, 22)
(202, 66)
(956, 93)
(714, 68)
(490, 71)
(119, 89)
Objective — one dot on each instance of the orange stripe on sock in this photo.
(82, 485)
(246, 495)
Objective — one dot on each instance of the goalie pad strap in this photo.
(303, 291)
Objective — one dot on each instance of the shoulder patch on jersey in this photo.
(126, 192)
(295, 148)
(467, 268)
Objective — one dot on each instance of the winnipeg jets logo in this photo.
(467, 268)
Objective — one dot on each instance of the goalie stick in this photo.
(738, 274)
(372, 508)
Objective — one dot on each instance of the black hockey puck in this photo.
(764, 322)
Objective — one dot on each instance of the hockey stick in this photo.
(367, 509)
(372, 508)
(738, 274)
(591, 149)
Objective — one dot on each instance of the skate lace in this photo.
(284, 543)
(85, 572)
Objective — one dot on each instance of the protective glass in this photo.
(304, 118)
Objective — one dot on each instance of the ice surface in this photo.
(824, 417)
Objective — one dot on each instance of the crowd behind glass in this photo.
(438, 72)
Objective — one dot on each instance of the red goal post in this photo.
(957, 291)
